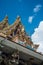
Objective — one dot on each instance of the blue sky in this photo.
(23, 8)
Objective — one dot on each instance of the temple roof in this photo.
(16, 30)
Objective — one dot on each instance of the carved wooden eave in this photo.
(35, 46)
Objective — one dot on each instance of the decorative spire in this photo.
(6, 18)
(4, 23)
(16, 22)
(18, 18)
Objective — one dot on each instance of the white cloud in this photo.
(37, 37)
(30, 19)
(37, 8)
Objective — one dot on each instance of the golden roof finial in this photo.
(6, 17)
(18, 17)
(5, 20)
